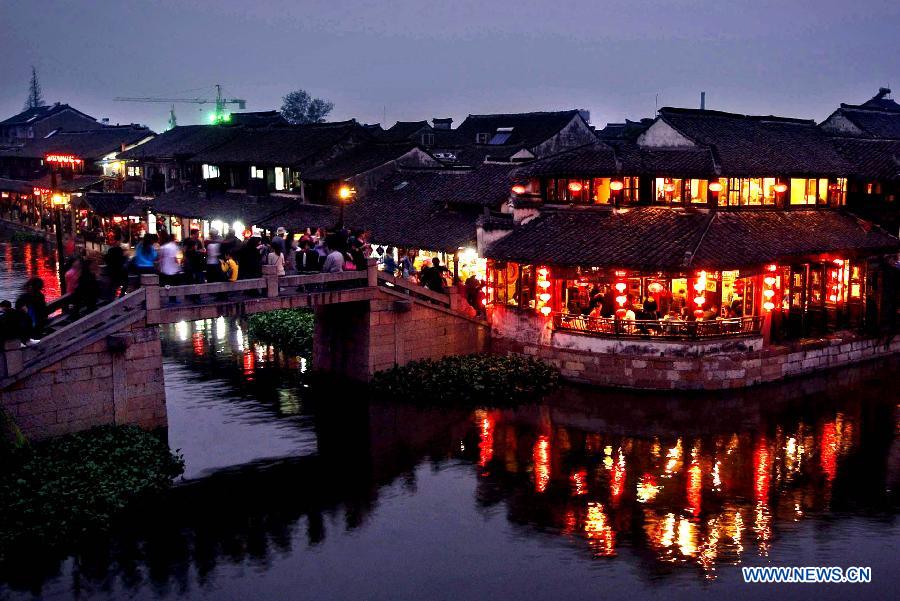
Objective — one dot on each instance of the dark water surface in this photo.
(296, 491)
(22, 260)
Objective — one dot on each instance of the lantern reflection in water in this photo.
(600, 536)
(579, 482)
(694, 485)
(828, 450)
(198, 342)
(541, 456)
(763, 518)
(486, 438)
(617, 479)
(647, 488)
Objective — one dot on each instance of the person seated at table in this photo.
(671, 316)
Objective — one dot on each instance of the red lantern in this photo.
(780, 188)
(620, 313)
(518, 189)
(247, 233)
(616, 185)
(698, 313)
(575, 187)
(715, 186)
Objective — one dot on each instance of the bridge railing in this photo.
(414, 290)
(134, 301)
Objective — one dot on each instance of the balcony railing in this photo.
(657, 328)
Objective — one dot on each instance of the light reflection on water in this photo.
(24, 260)
(588, 493)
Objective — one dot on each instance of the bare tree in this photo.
(35, 98)
(299, 107)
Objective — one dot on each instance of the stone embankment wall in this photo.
(674, 365)
(117, 380)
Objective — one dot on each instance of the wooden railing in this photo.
(657, 328)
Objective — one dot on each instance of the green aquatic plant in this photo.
(290, 330)
(466, 379)
(60, 493)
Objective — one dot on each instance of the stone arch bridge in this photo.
(106, 368)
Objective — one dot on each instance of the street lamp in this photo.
(345, 193)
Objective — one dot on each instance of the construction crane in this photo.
(219, 114)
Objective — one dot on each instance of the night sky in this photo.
(384, 60)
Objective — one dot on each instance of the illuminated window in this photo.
(257, 173)
(210, 171)
(809, 191)
(630, 191)
(837, 192)
(279, 177)
(134, 171)
(753, 191)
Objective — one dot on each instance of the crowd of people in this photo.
(195, 260)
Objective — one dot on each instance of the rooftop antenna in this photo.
(656, 105)
(702, 101)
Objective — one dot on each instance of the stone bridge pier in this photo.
(358, 339)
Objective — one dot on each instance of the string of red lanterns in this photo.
(544, 296)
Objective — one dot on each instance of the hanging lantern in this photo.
(622, 299)
(545, 297)
(518, 189)
(655, 287)
(768, 305)
(768, 293)
(769, 280)
(544, 284)
(699, 300)
(616, 185)
(698, 313)
(781, 188)
(621, 286)
(715, 186)
(575, 187)
(669, 187)
(620, 313)
(545, 310)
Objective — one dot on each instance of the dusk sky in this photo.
(382, 61)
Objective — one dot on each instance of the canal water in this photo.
(301, 488)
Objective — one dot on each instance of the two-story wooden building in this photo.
(700, 234)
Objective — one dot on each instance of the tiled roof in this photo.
(435, 210)
(280, 145)
(871, 159)
(592, 160)
(753, 146)
(667, 239)
(37, 113)
(16, 185)
(78, 183)
(301, 216)
(648, 237)
(357, 160)
(403, 130)
(528, 129)
(875, 123)
(678, 162)
(89, 145)
(486, 186)
(257, 118)
(223, 206)
(622, 157)
(110, 204)
(183, 141)
(742, 238)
